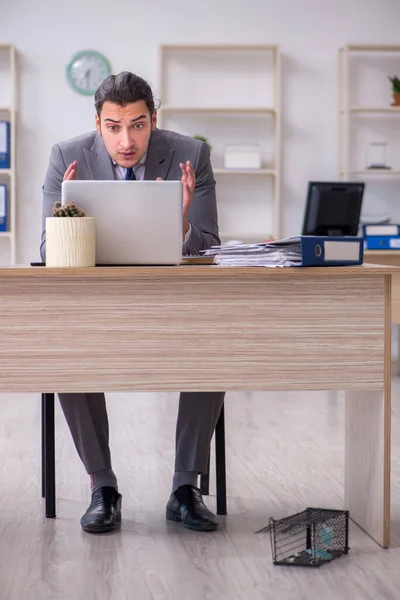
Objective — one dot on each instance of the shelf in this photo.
(374, 110)
(267, 172)
(258, 102)
(8, 112)
(371, 48)
(221, 47)
(376, 172)
(221, 109)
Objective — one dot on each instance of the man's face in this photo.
(126, 131)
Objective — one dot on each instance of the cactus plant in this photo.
(395, 81)
(395, 85)
(68, 210)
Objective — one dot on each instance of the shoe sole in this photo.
(171, 516)
(102, 528)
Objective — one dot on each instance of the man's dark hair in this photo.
(123, 89)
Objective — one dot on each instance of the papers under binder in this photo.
(301, 251)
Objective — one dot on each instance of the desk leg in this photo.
(49, 444)
(367, 462)
(367, 453)
(398, 351)
(367, 448)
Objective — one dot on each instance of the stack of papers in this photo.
(280, 253)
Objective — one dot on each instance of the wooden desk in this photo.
(390, 257)
(214, 328)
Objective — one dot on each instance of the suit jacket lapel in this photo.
(159, 157)
(98, 160)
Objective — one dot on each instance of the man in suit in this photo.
(128, 145)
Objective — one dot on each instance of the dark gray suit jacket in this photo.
(166, 150)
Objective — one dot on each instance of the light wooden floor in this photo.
(285, 452)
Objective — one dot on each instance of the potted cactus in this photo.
(395, 90)
(70, 241)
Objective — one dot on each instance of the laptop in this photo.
(137, 222)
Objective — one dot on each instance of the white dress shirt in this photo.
(120, 172)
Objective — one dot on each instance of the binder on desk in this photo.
(301, 251)
(382, 237)
(4, 145)
(318, 251)
(3, 207)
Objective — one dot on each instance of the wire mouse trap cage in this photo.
(310, 538)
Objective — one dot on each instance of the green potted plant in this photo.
(203, 139)
(70, 241)
(395, 90)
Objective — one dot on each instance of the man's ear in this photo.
(98, 123)
(154, 120)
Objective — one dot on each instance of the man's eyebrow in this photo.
(133, 120)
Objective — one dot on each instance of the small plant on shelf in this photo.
(68, 210)
(395, 90)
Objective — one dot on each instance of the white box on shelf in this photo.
(378, 155)
(242, 156)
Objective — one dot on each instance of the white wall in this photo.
(310, 32)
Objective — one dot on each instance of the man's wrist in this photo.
(187, 229)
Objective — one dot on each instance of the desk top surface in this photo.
(188, 271)
(376, 253)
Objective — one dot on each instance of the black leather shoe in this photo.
(186, 505)
(104, 512)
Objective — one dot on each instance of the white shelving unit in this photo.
(219, 109)
(373, 110)
(230, 94)
(357, 63)
(8, 112)
(270, 172)
(376, 173)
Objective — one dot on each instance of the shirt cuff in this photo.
(189, 231)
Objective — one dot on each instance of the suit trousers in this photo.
(198, 413)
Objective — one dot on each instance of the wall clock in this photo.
(86, 70)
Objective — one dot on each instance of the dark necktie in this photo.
(130, 174)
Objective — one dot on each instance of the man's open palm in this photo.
(70, 173)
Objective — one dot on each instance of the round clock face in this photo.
(87, 70)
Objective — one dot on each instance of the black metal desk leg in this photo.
(49, 444)
(220, 463)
